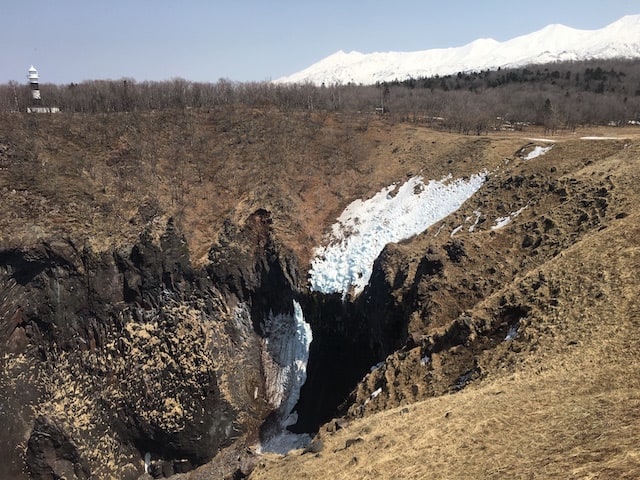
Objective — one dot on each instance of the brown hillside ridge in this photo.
(140, 254)
(102, 177)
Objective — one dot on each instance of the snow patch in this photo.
(599, 138)
(502, 222)
(536, 152)
(283, 442)
(477, 214)
(544, 140)
(512, 333)
(439, 230)
(375, 393)
(395, 213)
(456, 230)
(376, 366)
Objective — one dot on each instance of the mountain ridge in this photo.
(553, 43)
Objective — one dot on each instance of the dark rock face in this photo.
(455, 251)
(338, 357)
(249, 263)
(168, 401)
(51, 454)
(349, 337)
(131, 351)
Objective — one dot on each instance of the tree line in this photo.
(562, 95)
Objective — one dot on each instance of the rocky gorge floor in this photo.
(144, 258)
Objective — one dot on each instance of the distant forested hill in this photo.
(557, 96)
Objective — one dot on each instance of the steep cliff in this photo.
(134, 351)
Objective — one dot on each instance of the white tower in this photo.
(35, 88)
(36, 100)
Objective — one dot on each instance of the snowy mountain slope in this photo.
(553, 43)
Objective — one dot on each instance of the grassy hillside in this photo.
(98, 178)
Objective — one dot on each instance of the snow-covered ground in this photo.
(286, 352)
(599, 138)
(547, 140)
(345, 262)
(553, 43)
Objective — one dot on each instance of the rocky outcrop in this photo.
(134, 351)
(51, 454)
(451, 295)
(261, 274)
(249, 263)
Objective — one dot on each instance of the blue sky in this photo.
(251, 40)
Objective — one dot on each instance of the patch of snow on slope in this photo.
(393, 214)
(536, 152)
(599, 138)
(477, 214)
(456, 230)
(541, 140)
(285, 364)
(502, 222)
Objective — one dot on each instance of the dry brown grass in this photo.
(97, 178)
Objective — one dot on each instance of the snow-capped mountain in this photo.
(553, 43)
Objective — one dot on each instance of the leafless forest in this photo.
(556, 96)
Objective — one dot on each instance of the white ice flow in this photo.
(286, 352)
(393, 214)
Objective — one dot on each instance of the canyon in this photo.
(160, 316)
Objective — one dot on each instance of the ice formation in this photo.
(285, 356)
(395, 213)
